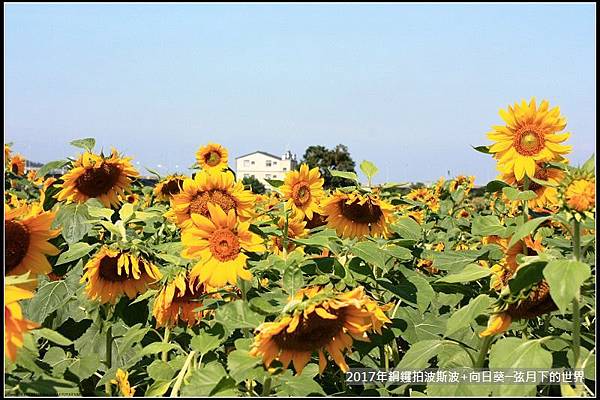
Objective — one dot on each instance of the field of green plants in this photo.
(198, 287)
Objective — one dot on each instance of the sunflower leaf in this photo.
(87, 143)
(368, 168)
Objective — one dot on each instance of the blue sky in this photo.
(409, 87)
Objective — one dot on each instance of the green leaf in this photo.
(407, 228)
(589, 164)
(159, 347)
(49, 298)
(401, 253)
(526, 229)
(527, 275)
(160, 370)
(158, 388)
(495, 186)
(204, 380)
(240, 363)
(466, 315)
(85, 366)
(344, 174)
(419, 354)
(516, 195)
(299, 385)
(453, 261)
(274, 182)
(74, 221)
(205, 342)
(369, 252)
(126, 212)
(471, 272)
(53, 336)
(238, 315)
(48, 167)
(87, 143)
(565, 278)
(100, 212)
(292, 280)
(482, 149)
(368, 168)
(487, 225)
(75, 252)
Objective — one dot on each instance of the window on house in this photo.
(284, 168)
(274, 162)
(246, 163)
(274, 176)
(252, 162)
(268, 176)
(268, 163)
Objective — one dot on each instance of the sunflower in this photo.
(316, 221)
(577, 192)
(111, 273)
(354, 215)
(212, 157)
(425, 196)
(6, 154)
(15, 326)
(17, 164)
(296, 229)
(217, 188)
(218, 243)
(27, 234)
(122, 382)
(318, 320)
(529, 137)
(546, 196)
(168, 187)
(467, 182)
(177, 301)
(96, 176)
(303, 190)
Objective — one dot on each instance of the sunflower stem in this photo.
(575, 304)
(266, 391)
(285, 235)
(165, 353)
(485, 346)
(109, 338)
(182, 373)
(525, 210)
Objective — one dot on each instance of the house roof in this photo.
(261, 152)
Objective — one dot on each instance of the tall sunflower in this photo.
(530, 136)
(318, 320)
(112, 273)
(218, 188)
(177, 301)
(213, 156)
(169, 186)
(96, 176)
(303, 190)
(15, 325)
(546, 196)
(218, 243)
(17, 164)
(27, 234)
(355, 215)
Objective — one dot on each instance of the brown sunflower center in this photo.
(537, 303)
(316, 221)
(108, 269)
(98, 181)
(15, 168)
(171, 187)
(301, 193)
(366, 213)
(198, 205)
(16, 242)
(528, 141)
(224, 245)
(311, 333)
(212, 158)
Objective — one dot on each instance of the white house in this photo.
(263, 165)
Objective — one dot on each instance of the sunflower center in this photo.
(171, 187)
(213, 158)
(529, 141)
(301, 193)
(97, 181)
(224, 245)
(366, 213)
(16, 242)
(316, 221)
(108, 270)
(199, 204)
(311, 333)
(15, 169)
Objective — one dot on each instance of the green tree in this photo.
(337, 158)
(255, 185)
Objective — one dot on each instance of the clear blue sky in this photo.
(409, 87)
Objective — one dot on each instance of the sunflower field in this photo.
(196, 286)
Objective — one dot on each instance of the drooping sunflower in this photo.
(17, 164)
(319, 320)
(531, 135)
(218, 243)
(15, 326)
(177, 301)
(168, 187)
(213, 156)
(546, 195)
(355, 215)
(303, 190)
(27, 235)
(296, 229)
(112, 273)
(122, 382)
(217, 188)
(96, 176)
